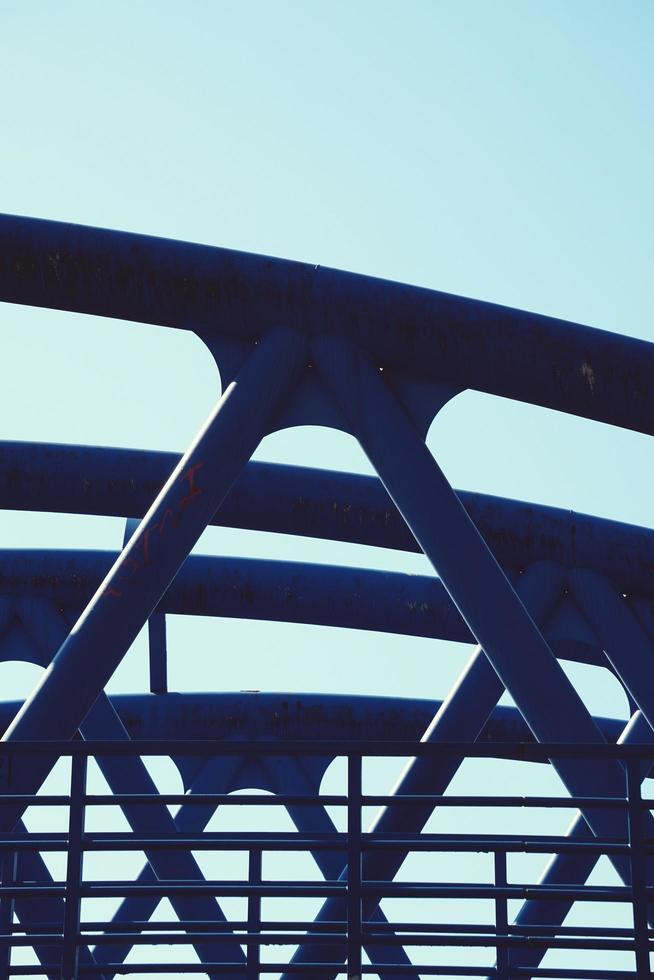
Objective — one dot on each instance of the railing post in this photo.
(501, 915)
(74, 868)
(354, 939)
(638, 879)
(9, 874)
(254, 915)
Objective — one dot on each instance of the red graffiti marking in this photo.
(193, 491)
(169, 520)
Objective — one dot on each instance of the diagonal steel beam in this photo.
(461, 717)
(149, 562)
(315, 819)
(627, 646)
(130, 775)
(473, 578)
(629, 651)
(32, 867)
(568, 869)
(190, 818)
(478, 586)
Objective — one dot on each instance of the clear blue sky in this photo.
(502, 150)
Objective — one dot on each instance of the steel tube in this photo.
(150, 560)
(319, 503)
(570, 868)
(217, 292)
(130, 776)
(462, 716)
(619, 634)
(474, 580)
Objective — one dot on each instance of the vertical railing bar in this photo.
(254, 914)
(354, 820)
(158, 653)
(638, 879)
(9, 875)
(501, 915)
(74, 868)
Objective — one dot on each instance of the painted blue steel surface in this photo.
(438, 935)
(530, 584)
(463, 716)
(571, 867)
(448, 339)
(412, 605)
(320, 504)
(140, 576)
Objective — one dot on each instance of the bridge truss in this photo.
(530, 585)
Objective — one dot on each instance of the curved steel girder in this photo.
(278, 591)
(218, 293)
(322, 504)
(244, 715)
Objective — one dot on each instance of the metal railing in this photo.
(357, 929)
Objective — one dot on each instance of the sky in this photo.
(500, 150)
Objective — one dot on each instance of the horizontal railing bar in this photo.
(519, 751)
(319, 969)
(416, 844)
(322, 969)
(299, 939)
(378, 927)
(34, 931)
(285, 799)
(253, 799)
(280, 889)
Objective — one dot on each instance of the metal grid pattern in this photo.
(356, 923)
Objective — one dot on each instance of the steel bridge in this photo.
(529, 585)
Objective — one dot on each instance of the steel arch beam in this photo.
(447, 339)
(317, 503)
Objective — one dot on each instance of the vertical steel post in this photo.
(638, 878)
(501, 914)
(354, 928)
(74, 868)
(9, 877)
(158, 653)
(316, 820)
(46, 911)
(569, 869)
(254, 914)
(153, 555)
